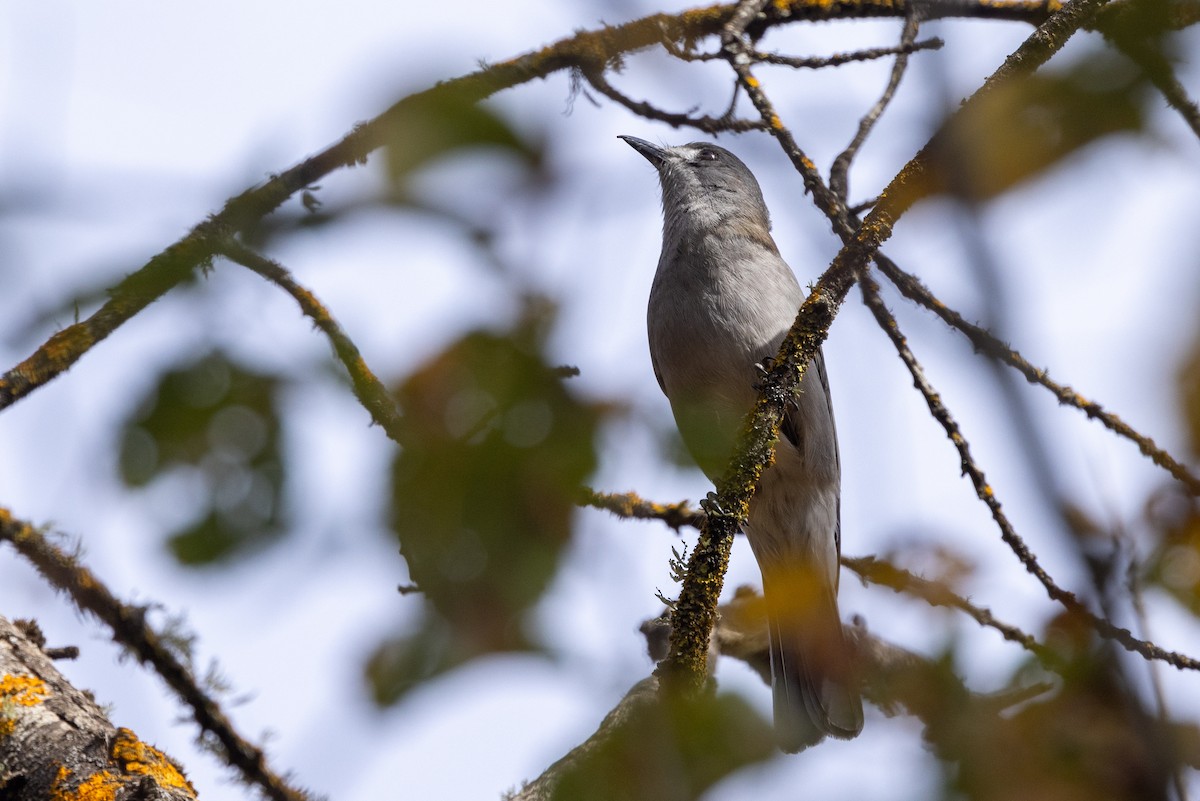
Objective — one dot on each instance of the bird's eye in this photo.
(707, 154)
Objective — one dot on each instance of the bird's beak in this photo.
(653, 153)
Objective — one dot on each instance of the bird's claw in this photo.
(763, 368)
(711, 505)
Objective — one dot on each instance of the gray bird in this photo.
(721, 303)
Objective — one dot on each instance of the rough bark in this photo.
(57, 743)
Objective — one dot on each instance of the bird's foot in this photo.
(763, 368)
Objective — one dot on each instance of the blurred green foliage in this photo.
(436, 124)
(669, 749)
(220, 419)
(1091, 737)
(494, 451)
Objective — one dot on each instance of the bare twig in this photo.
(810, 62)
(984, 342)
(935, 593)
(129, 627)
(985, 493)
(708, 124)
(370, 391)
(839, 173)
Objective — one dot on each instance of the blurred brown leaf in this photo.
(1019, 130)
(666, 748)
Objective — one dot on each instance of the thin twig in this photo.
(707, 124)
(869, 568)
(839, 173)
(984, 342)
(129, 627)
(632, 505)
(935, 593)
(838, 59)
(809, 62)
(985, 493)
(370, 391)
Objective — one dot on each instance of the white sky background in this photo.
(123, 124)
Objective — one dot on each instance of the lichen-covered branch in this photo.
(632, 505)
(985, 342)
(369, 390)
(870, 569)
(129, 627)
(585, 49)
(57, 743)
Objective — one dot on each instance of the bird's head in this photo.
(704, 185)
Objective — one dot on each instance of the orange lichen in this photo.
(22, 690)
(138, 758)
(101, 786)
(62, 349)
(18, 691)
(134, 759)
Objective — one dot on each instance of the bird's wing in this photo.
(658, 373)
(792, 429)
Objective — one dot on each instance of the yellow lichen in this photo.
(18, 691)
(22, 690)
(67, 345)
(134, 760)
(141, 759)
(101, 786)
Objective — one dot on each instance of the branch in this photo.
(129, 627)
(984, 342)
(870, 569)
(57, 743)
(883, 573)
(369, 390)
(984, 492)
(241, 213)
(631, 505)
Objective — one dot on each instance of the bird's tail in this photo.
(812, 677)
